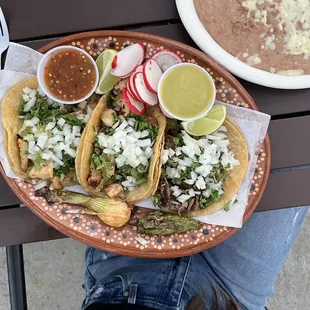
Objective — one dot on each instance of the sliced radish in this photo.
(151, 74)
(142, 92)
(114, 62)
(128, 87)
(131, 88)
(127, 59)
(166, 59)
(131, 92)
(138, 69)
(126, 76)
(134, 105)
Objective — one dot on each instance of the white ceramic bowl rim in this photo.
(207, 44)
(171, 115)
(40, 73)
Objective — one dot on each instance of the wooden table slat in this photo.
(290, 142)
(60, 17)
(20, 226)
(7, 197)
(286, 189)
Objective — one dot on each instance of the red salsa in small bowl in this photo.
(68, 74)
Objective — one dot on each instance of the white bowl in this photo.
(161, 101)
(45, 59)
(207, 44)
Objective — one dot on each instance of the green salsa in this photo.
(187, 91)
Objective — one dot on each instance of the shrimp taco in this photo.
(121, 152)
(41, 136)
(201, 175)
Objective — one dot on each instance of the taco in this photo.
(201, 175)
(121, 152)
(41, 136)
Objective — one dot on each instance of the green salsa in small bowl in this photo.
(186, 92)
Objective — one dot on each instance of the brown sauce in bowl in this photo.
(69, 75)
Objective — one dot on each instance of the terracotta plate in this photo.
(89, 229)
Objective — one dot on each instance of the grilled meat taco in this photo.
(201, 175)
(121, 152)
(41, 136)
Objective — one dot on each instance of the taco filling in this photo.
(48, 137)
(196, 171)
(123, 148)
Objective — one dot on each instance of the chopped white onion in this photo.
(32, 94)
(40, 184)
(27, 90)
(40, 91)
(61, 122)
(135, 149)
(25, 97)
(29, 104)
(50, 126)
(42, 140)
(183, 198)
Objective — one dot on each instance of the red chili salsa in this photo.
(69, 75)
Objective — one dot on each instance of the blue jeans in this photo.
(245, 266)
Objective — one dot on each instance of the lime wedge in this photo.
(207, 124)
(106, 79)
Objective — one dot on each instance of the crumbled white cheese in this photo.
(269, 42)
(253, 60)
(272, 70)
(293, 17)
(291, 72)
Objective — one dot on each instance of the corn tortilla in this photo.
(85, 151)
(234, 177)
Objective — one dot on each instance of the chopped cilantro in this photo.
(186, 174)
(217, 173)
(26, 131)
(142, 123)
(227, 207)
(105, 164)
(101, 162)
(21, 107)
(227, 166)
(111, 100)
(157, 200)
(68, 165)
(205, 202)
(172, 163)
(124, 171)
(140, 174)
(72, 120)
(195, 165)
(178, 141)
(38, 160)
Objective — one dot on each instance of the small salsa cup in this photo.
(209, 104)
(41, 71)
